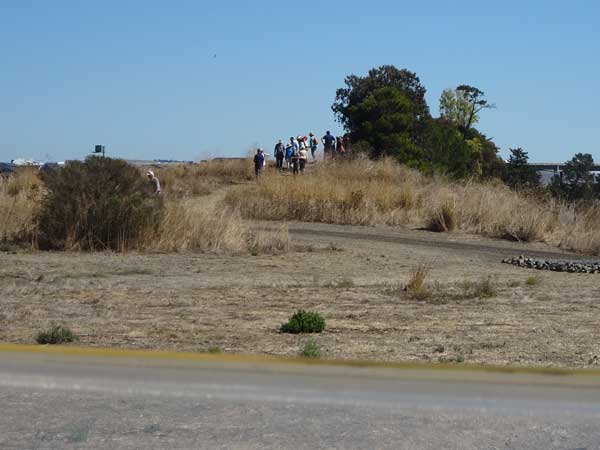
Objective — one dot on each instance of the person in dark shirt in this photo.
(328, 145)
(259, 162)
(279, 154)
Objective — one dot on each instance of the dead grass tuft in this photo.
(444, 219)
(416, 287)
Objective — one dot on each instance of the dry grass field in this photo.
(387, 289)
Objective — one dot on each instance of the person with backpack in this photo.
(279, 154)
(313, 143)
(328, 145)
(259, 162)
(302, 158)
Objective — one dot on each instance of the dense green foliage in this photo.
(57, 334)
(304, 322)
(578, 181)
(386, 113)
(519, 175)
(461, 106)
(98, 204)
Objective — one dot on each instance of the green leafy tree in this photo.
(386, 119)
(578, 181)
(519, 175)
(450, 153)
(461, 106)
(404, 115)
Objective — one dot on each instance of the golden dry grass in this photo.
(187, 180)
(192, 225)
(364, 192)
(360, 192)
(20, 194)
(416, 286)
(187, 224)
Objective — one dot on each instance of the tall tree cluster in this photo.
(386, 112)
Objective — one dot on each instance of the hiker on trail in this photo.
(279, 154)
(329, 145)
(302, 158)
(155, 184)
(288, 154)
(339, 146)
(259, 162)
(295, 156)
(313, 143)
(292, 151)
(301, 142)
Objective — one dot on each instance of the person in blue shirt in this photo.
(328, 145)
(259, 162)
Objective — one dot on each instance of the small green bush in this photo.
(532, 281)
(98, 204)
(311, 350)
(304, 322)
(57, 334)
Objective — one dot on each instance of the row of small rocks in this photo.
(555, 265)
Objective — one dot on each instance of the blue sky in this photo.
(141, 76)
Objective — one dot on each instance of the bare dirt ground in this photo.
(351, 275)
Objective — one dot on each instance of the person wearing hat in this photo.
(313, 143)
(302, 158)
(154, 182)
(259, 162)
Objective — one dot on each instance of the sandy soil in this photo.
(352, 275)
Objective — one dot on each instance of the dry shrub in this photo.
(416, 286)
(98, 204)
(188, 225)
(443, 219)
(193, 225)
(267, 241)
(20, 194)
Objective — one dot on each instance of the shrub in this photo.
(311, 350)
(20, 194)
(57, 334)
(444, 219)
(416, 284)
(98, 204)
(532, 281)
(304, 322)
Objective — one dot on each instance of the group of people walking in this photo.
(293, 156)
